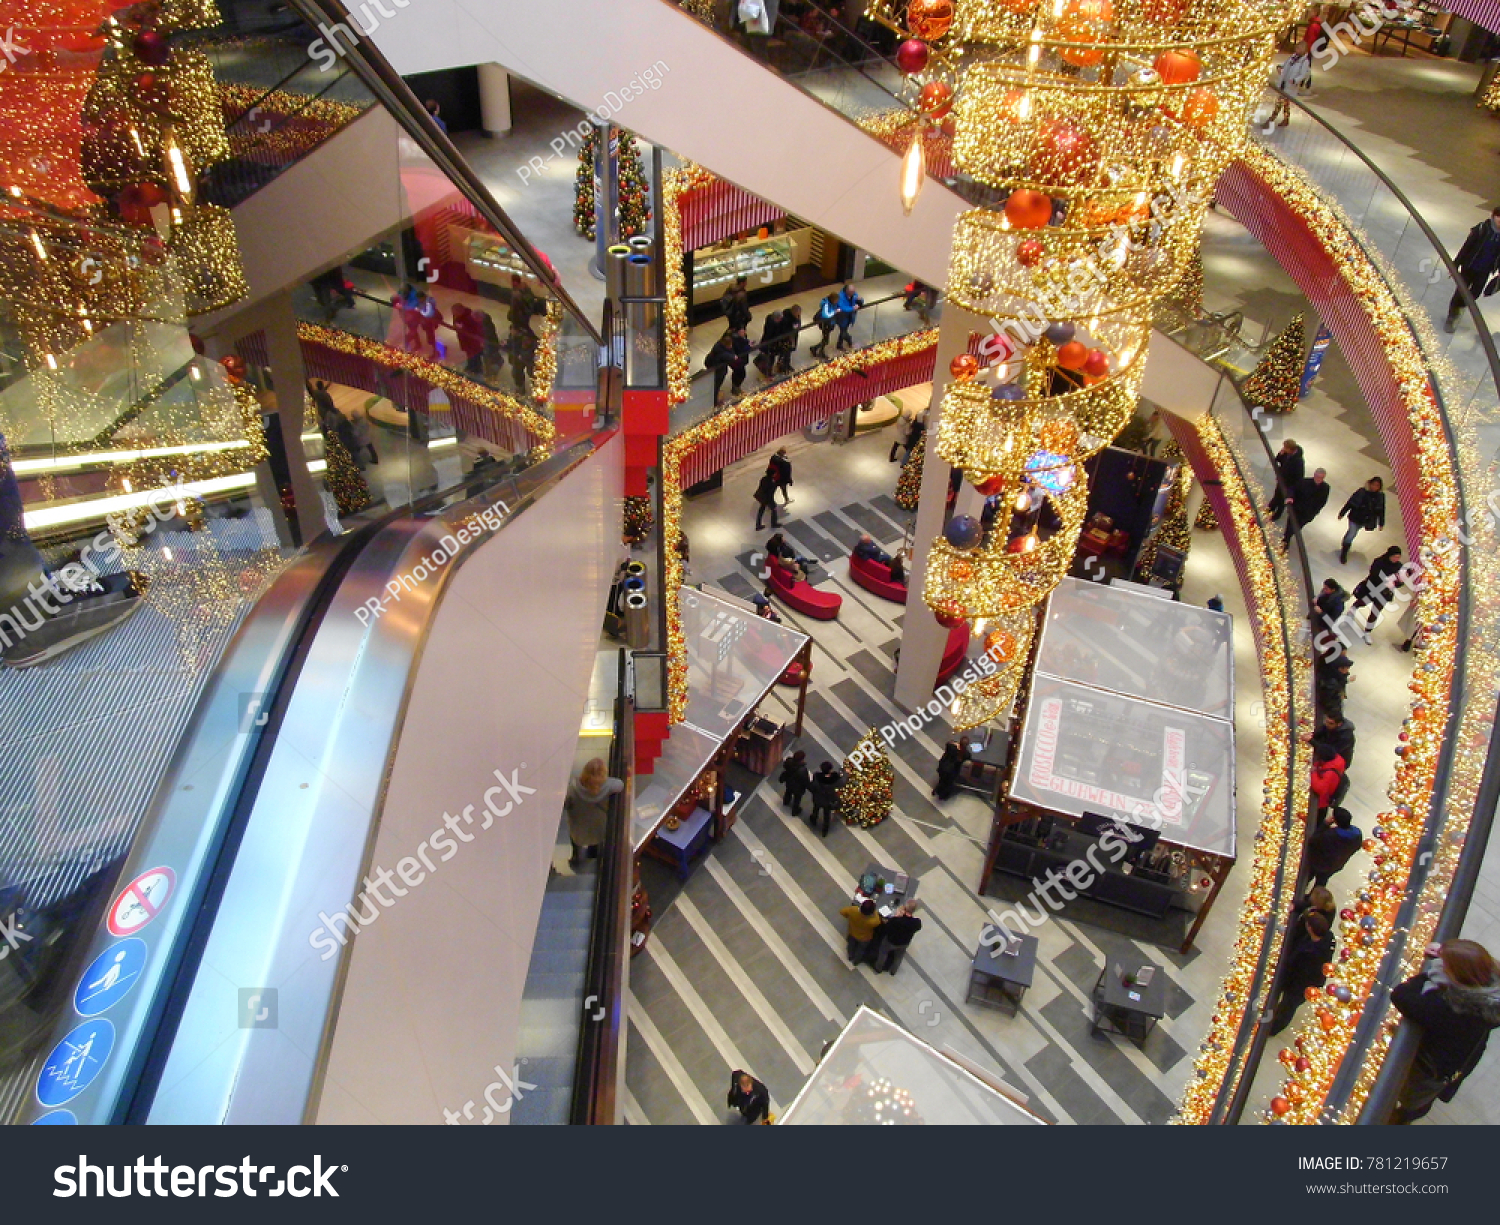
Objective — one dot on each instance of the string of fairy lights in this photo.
(675, 183)
(1286, 687)
(1322, 1040)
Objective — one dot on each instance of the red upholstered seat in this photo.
(876, 576)
(804, 597)
(954, 652)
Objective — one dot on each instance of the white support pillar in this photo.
(922, 638)
(494, 100)
(290, 377)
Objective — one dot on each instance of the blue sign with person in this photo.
(75, 1062)
(110, 977)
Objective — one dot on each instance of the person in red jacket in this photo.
(1327, 773)
(470, 329)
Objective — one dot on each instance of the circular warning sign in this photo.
(141, 901)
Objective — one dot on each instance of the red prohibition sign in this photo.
(141, 901)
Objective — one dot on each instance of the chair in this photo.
(875, 576)
(803, 596)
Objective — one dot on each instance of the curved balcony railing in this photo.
(1463, 376)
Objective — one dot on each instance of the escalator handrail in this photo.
(394, 93)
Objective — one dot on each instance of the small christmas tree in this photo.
(1173, 529)
(868, 792)
(909, 484)
(1274, 382)
(343, 478)
(638, 520)
(634, 209)
(1206, 520)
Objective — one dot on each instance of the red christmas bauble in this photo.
(151, 92)
(1279, 1106)
(136, 201)
(949, 127)
(1072, 355)
(964, 367)
(1200, 109)
(936, 99)
(990, 486)
(929, 19)
(1178, 67)
(912, 56)
(1096, 363)
(1028, 210)
(1065, 153)
(152, 48)
(1302, 1064)
(1029, 253)
(949, 619)
(234, 365)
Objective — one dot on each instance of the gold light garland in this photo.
(1280, 836)
(1322, 1041)
(450, 381)
(676, 449)
(674, 183)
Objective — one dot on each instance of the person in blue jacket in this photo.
(828, 310)
(848, 303)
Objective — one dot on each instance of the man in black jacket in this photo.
(1309, 949)
(1291, 465)
(735, 303)
(825, 795)
(1330, 602)
(721, 359)
(1365, 510)
(1337, 733)
(896, 936)
(1332, 845)
(1478, 262)
(747, 1095)
(1309, 497)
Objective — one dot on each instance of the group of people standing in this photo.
(732, 354)
(416, 318)
(797, 781)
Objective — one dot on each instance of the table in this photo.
(680, 846)
(1131, 1011)
(997, 977)
(885, 900)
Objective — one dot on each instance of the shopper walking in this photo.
(781, 470)
(896, 935)
(1378, 587)
(1294, 77)
(1310, 949)
(720, 360)
(795, 779)
(765, 500)
(750, 1097)
(909, 436)
(359, 423)
(587, 805)
(860, 925)
(1309, 497)
(849, 303)
(1365, 510)
(1329, 604)
(1332, 845)
(737, 368)
(791, 334)
(735, 303)
(1455, 999)
(470, 329)
(1290, 468)
(1478, 264)
(825, 795)
(770, 335)
(429, 319)
(826, 319)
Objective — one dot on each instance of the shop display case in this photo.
(768, 261)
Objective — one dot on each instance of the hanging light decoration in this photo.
(913, 172)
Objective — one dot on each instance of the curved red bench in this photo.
(804, 597)
(954, 652)
(876, 576)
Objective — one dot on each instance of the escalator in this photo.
(790, 139)
(152, 420)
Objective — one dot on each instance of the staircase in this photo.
(552, 1006)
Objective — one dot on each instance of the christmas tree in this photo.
(634, 210)
(1274, 382)
(1173, 530)
(1206, 520)
(869, 783)
(638, 519)
(909, 484)
(343, 477)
